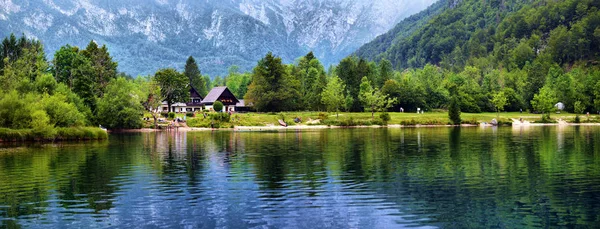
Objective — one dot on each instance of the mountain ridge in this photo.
(144, 35)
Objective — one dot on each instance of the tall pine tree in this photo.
(192, 72)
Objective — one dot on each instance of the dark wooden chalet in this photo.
(195, 103)
(222, 94)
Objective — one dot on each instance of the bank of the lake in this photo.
(53, 134)
(321, 120)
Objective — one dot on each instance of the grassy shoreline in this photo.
(57, 134)
(331, 120)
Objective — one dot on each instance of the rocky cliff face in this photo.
(144, 35)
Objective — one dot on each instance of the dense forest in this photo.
(486, 55)
(510, 48)
(469, 56)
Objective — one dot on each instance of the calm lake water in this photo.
(343, 178)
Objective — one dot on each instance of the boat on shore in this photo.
(282, 123)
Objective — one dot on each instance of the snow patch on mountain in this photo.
(8, 7)
(39, 21)
(160, 33)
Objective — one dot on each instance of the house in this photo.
(197, 103)
(222, 94)
(241, 106)
(194, 104)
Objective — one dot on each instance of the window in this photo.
(188, 109)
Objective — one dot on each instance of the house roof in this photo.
(194, 93)
(240, 103)
(216, 92)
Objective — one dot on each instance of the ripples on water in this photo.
(357, 178)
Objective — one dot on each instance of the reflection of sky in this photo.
(223, 197)
(231, 200)
(418, 177)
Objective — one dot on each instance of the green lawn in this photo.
(251, 119)
(431, 118)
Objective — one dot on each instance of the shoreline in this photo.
(321, 127)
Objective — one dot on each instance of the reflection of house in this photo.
(197, 103)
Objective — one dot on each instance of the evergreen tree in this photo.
(346, 70)
(272, 87)
(104, 69)
(195, 77)
(454, 110)
(385, 72)
(63, 64)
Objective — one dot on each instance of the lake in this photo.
(536, 177)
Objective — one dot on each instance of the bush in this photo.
(189, 114)
(546, 119)
(411, 122)
(41, 125)
(164, 114)
(220, 117)
(171, 115)
(385, 117)
(454, 111)
(323, 116)
(218, 106)
(66, 133)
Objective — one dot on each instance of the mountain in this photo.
(455, 32)
(145, 35)
(533, 53)
(405, 28)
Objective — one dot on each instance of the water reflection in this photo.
(367, 178)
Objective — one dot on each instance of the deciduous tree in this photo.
(173, 86)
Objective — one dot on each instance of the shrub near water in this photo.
(68, 133)
(213, 120)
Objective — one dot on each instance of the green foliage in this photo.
(218, 106)
(544, 101)
(351, 70)
(272, 87)
(61, 112)
(41, 124)
(373, 99)
(313, 79)
(454, 110)
(238, 83)
(579, 107)
(171, 115)
(499, 100)
(385, 117)
(220, 117)
(192, 72)
(71, 133)
(333, 95)
(103, 68)
(173, 86)
(151, 96)
(121, 107)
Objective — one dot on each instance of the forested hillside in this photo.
(408, 26)
(526, 50)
